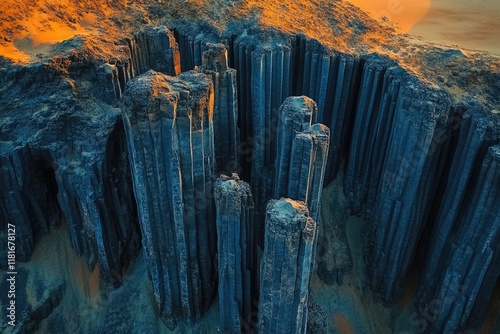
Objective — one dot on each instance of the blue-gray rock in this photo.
(153, 48)
(459, 270)
(28, 198)
(170, 134)
(332, 80)
(64, 158)
(215, 64)
(236, 253)
(286, 267)
(379, 91)
(317, 320)
(411, 152)
(296, 115)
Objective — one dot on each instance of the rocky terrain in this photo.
(239, 166)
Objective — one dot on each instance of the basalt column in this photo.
(169, 129)
(235, 241)
(302, 152)
(95, 196)
(460, 269)
(344, 70)
(471, 268)
(270, 85)
(405, 193)
(28, 199)
(286, 267)
(241, 58)
(296, 115)
(332, 80)
(226, 130)
(371, 132)
(152, 48)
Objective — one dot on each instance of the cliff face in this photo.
(420, 168)
(53, 172)
(215, 64)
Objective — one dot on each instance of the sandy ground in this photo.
(471, 24)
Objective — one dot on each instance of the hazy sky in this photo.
(473, 24)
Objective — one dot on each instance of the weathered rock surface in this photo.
(236, 253)
(286, 267)
(317, 320)
(332, 80)
(399, 134)
(169, 124)
(461, 268)
(302, 152)
(153, 48)
(68, 163)
(215, 64)
(406, 190)
(413, 170)
(296, 115)
(28, 201)
(379, 91)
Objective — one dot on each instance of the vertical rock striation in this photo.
(296, 115)
(235, 247)
(109, 83)
(286, 267)
(28, 201)
(470, 258)
(332, 80)
(170, 134)
(95, 196)
(302, 152)
(406, 191)
(379, 92)
(241, 57)
(154, 48)
(270, 85)
(215, 64)
(193, 42)
(460, 270)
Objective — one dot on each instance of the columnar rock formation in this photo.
(215, 64)
(28, 197)
(286, 267)
(414, 169)
(44, 184)
(270, 85)
(406, 190)
(470, 259)
(99, 208)
(241, 51)
(400, 146)
(156, 49)
(235, 248)
(109, 83)
(461, 267)
(332, 80)
(193, 42)
(170, 135)
(302, 152)
(372, 126)
(296, 115)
